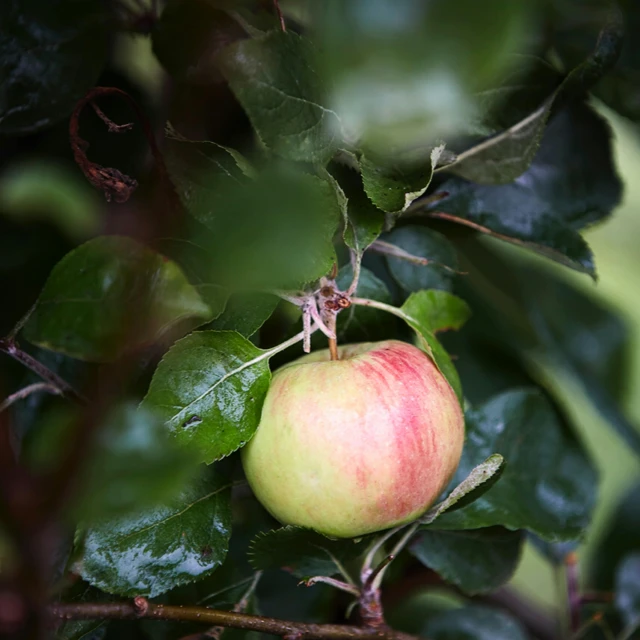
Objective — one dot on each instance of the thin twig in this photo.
(283, 628)
(9, 347)
(333, 341)
(276, 4)
(573, 591)
(27, 391)
(336, 584)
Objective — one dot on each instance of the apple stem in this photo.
(333, 342)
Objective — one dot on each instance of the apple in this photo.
(355, 445)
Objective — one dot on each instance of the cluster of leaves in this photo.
(406, 138)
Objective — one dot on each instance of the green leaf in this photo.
(628, 589)
(190, 36)
(274, 78)
(416, 314)
(364, 324)
(404, 74)
(83, 629)
(441, 310)
(478, 482)
(539, 211)
(504, 157)
(473, 622)
(246, 313)
(364, 221)
(88, 303)
(273, 231)
(52, 54)
(424, 243)
(161, 548)
(209, 389)
(134, 463)
(393, 188)
(548, 486)
(585, 339)
(619, 539)
(475, 561)
(303, 552)
(48, 191)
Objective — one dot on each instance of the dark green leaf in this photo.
(134, 462)
(189, 37)
(272, 231)
(405, 73)
(394, 188)
(209, 389)
(417, 316)
(473, 622)
(475, 561)
(548, 486)
(570, 184)
(83, 629)
(161, 548)
(619, 538)
(274, 79)
(364, 324)
(302, 552)
(585, 339)
(52, 54)
(93, 294)
(246, 313)
(43, 190)
(363, 220)
(214, 296)
(628, 589)
(424, 243)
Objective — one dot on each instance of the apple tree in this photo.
(196, 193)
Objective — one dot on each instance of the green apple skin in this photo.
(357, 445)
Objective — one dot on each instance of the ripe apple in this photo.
(355, 445)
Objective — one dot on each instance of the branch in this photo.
(213, 617)
(8, 346)
(27, 391)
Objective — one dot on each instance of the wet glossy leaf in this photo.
(473, 622)
(416, 310)
(47, 191)
(302, 552)
(424, 243)
(628, 589)
(475, 561)
(161, 548)
(404, 74)
(209, 389)
(571, 184)
(549, 484)
(394, 188)
(189, 37)
(274, 78)
(52, 54)
(245, 313)
(92, 294)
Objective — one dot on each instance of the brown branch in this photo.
(573, 591)
(276, 5)
(283, 628)
(9, 346)
(25, 392)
